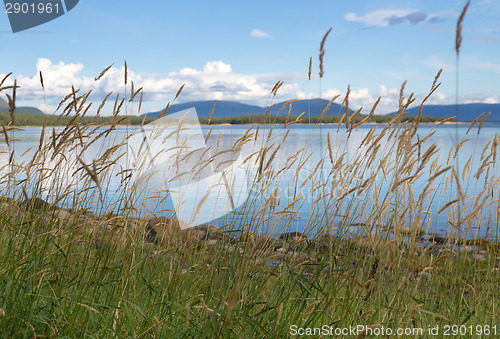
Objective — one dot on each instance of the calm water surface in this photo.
(313, 139)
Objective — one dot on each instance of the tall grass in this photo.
(79, 257)
(69, 271)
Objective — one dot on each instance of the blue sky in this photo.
(235, 50)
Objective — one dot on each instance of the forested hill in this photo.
(222, 108)
(4, 107)
(466, 112)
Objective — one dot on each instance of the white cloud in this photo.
(364, 97)
(480, 98)
(491, 100)
(217, 67)
(487, 66)
(389, 102)
(438, 62)
(379, 17)
(487, 40)
(215, 80)
(439, 98)
(391, 17)
(257, 33)
(57, 79)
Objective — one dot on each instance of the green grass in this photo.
(55, 282)
(74, 274)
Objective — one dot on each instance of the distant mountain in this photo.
(233, 108)
(4, 107)
(466, 112)
(222, 109)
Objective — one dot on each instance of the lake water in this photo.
(315, 205)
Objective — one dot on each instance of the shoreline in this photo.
(266, 124)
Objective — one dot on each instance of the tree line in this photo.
(23, 119)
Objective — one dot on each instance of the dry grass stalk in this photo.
(12, 104)
(261, 156)
(289, 104)
(296, 121)
(401, 98)
(370, 115)
(211, 112)
(116, 109)
(444, 121)
(73, 104)
(482, 122)
(485, 149)
(322, 53)
(133, 94)
(310, 67)
(329, 147)
(438, 173)
(458, 38)
(278, 317)
(3, 80)
(461, 194)
(91, 172)
(179, 91)
(427, 155)
(329, 104)
(448, 204)
(474, 122)
(7, 140)
(312, 173)
(140, 104)
(63, 101)
(494, 146)
(301, 164)
(353, 120)
(460, 144)
(435, 85)
(126, 72)
(41, 80)
(466, 168)
(368, 136)
(103, 72)
(274, 90)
